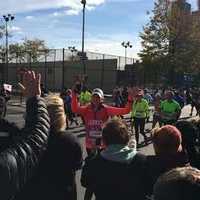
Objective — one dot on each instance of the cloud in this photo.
(19, 6)
(14, 29)
(111, 44)
(29, 17)
(72, 12)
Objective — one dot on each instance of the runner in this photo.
(170, 109)
(156, 114)
(85, 96)
(140, 112)
(95, 115)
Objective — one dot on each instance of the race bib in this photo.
(139, 114)
(95, 134)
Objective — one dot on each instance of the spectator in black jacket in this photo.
(2, 107)
(178, 184)
(55, 178)
(167, 142)
(189, 132)
(118, 171)
(20, 158)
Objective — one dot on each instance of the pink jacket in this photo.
(94, 120)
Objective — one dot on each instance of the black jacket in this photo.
(55, 178)
(20, 159)
(113, 180)
(158, 165)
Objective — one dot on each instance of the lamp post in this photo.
(7, 18)
(83, 36)
(72, 49)
(126, 45)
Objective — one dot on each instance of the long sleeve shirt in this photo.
(140, 109)
(94, 120)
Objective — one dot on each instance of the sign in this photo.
(7, 87)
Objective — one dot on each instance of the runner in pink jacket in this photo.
(95, 115)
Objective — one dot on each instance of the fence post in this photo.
(102, 71)
(63, 69)
(45, 70)
(30, 60)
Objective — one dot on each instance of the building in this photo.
(182, 20)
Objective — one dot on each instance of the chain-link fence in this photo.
(59, 67)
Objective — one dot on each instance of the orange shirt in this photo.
(94, 120)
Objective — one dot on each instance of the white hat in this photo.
(99, 92)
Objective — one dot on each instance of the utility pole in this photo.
(7, 18)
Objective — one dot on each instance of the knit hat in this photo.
(167, 139)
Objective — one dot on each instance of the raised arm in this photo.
(119, 111)
(76, 108)
(20, 160)
(122, 111)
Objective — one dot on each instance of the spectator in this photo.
(6, 95)
(168, 153)
(190, 137)
(178, 184)
(117, 171)
(20, 157)
(55, 178)
(2, 107)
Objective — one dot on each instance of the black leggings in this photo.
(139, 123)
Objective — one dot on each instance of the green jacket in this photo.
(140, 109)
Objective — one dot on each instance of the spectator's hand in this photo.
(31, 84)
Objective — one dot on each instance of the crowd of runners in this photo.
(40, 161)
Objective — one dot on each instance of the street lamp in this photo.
(7, 18)
(72, 49)
(83, 36)
(126, 45)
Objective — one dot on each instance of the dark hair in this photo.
(189, 134)
(178, 184)
(115, 132)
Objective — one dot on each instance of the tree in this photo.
(171, 40)
(2, 30)
(35, 49)
(155, 39)
(17, 52)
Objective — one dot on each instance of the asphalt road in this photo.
(16, 111)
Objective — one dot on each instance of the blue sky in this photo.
(59, 23)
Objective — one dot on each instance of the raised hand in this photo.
(31, 84)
